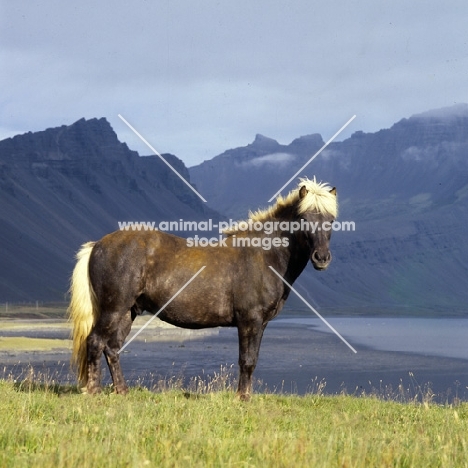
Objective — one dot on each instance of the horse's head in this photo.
(318, 206)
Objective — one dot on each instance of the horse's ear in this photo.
(302, 192)
(333, 191)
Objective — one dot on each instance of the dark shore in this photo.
(293, 359)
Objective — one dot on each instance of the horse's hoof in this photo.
(93, 390)
(121, 390)
(244, 396)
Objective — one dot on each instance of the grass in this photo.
(46, 424)
(22, 343)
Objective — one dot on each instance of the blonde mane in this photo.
(319, 197)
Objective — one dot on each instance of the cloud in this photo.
(445, 113)
(199, 77)
(274, 159)
(343, 159)
(436, 154)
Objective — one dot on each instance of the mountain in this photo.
(68, 185)
(240, 179)
(406, 190)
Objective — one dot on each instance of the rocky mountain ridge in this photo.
(64, 186)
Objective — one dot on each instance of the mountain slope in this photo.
(406, 189)
(241, 179)
(67, 185)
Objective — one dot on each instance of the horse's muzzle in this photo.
(321, 260)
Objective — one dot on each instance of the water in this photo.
(424, 336)
(296, 353)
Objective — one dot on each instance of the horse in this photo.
(128, 272)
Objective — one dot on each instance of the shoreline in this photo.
(293, 359)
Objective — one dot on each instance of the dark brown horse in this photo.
(128, 272)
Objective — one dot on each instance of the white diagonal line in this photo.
(161, 309)
(313, 310)
(313, 157)
(157, 154)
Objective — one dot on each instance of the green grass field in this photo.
(44, 425)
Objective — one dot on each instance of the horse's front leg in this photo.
(250, 338)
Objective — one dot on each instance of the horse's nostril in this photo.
(318, 258)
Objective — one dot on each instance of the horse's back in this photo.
(118, 261)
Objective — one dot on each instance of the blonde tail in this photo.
(82, 311)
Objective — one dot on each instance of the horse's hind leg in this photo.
(112, 348)
(107, 336)
(95, 346)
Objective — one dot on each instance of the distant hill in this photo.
(405, 187)
(67, 185)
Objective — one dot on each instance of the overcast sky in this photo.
(198, 77)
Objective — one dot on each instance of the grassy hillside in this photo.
(45, 425)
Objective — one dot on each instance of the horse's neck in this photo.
(299, 258)
(290, 261)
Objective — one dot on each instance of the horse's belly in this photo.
(208, 302)
(194, 319)
(193, 322)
